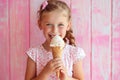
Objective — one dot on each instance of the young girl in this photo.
(55, 19)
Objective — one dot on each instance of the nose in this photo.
(55, 30)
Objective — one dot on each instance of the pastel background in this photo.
(96, 25)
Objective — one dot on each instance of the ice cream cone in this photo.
(57, 45)
(57, 53)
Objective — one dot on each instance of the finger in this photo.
(58, 68)
(62, 71)
(54, 63)
(58, 63)
(57, 59)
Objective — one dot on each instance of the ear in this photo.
(39, 24)
(69, 25)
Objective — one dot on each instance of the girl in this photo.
(55, 19)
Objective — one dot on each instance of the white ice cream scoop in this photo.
(57, 41)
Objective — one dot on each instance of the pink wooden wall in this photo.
(96, 25)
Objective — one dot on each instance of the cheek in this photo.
(63, 32)
(45, 32)
(47, 29)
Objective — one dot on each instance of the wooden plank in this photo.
(4, 41)
(81, 16)
(36, 35)
(101, 39)
(116, 41)
(19, 37)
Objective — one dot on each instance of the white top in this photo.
(70, 56)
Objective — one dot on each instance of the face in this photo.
(54, 23)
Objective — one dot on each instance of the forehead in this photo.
(55, 16)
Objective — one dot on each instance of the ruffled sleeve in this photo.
(77, 54)
(32, 54)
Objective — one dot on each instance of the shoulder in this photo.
(32, 52)
(75, 49)
(77, 53)
(35, 49)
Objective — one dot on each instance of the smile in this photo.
(51, 35)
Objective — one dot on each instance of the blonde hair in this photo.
(53, 5)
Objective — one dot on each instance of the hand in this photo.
(63, 74)
(53, 65)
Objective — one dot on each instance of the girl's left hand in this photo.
(63, 73)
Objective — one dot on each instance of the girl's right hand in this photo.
(53, 65)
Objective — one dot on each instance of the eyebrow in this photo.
(46, 22)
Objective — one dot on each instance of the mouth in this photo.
(52, 35)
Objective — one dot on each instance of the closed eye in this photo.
(49, 25)
(61, 25)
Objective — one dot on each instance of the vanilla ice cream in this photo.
(57, 41)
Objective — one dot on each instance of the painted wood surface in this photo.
(81, 16)
(101, 39)
(116, 40)
(36, 35)
(4, 41)
(96, 26)
(19, 37)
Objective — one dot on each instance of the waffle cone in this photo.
(57, 53)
